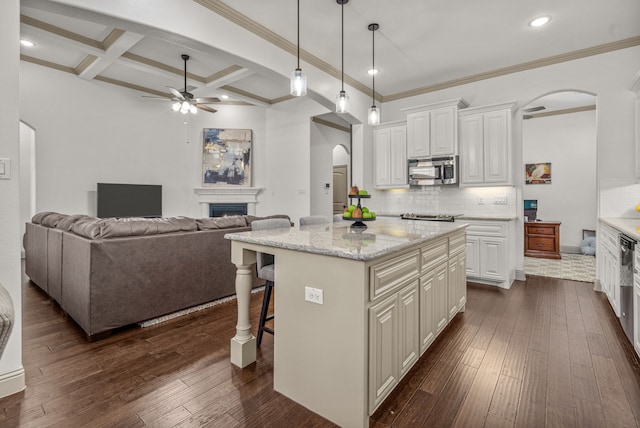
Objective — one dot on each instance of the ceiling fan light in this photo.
(184, 108)
(176, 106)
(342, 102)
(374, 115)
(298, 83)
(193, 110)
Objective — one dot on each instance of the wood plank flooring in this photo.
(547, 352)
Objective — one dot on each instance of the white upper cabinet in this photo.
(390, 155)
(485, 145)
(432, 130)
(635, 87)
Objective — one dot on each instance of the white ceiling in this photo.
(419, 44)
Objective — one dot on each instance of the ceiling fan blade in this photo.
(206, 108)
(207, 100)
(154, 97)
(533, 109)
(176, 93)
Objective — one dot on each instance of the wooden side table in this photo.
(542, 239)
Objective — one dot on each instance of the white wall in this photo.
(288, 158)
(90, 132)
(568, 141)
(11, 370)
(323, 141)
(27, 176)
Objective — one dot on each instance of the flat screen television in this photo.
(129, 200)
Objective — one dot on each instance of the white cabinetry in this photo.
(485, 145)
(609, 261)
(635, 87)
(390, 155)
(636, 302)
(417, 294)
(432, 130)
(489, 259)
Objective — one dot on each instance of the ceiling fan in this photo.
(184, 102)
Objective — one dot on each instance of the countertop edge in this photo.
(359, 257)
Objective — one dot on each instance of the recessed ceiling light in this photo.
(27, 43)
(373, 71)
(539, 22)
(224, 97)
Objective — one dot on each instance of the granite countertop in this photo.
(380, 238)
(628, 226)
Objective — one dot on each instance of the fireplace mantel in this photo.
(210, 195)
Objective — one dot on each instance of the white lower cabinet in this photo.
(393, 340)
(413, 296)
(636, 301)
(609, 261)
(488, 256)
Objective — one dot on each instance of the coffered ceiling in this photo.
(421, 45)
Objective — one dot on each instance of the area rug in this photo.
(164, 318)
(577, 267)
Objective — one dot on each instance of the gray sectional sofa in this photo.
(109, 273)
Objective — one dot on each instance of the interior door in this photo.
(339, 188)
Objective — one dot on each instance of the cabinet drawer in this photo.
(541, 230)
(487, 229)
(540, 243)
(457, 243)
(392, 274)
(434, 254)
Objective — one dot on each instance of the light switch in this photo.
(5, 168)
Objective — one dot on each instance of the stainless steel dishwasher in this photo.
(627, 246)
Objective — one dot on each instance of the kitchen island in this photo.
(386, 292)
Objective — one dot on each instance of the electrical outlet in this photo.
(314, 295)
(500, 200)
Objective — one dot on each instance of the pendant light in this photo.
(374, 112)
(342, 100)
(298, 78)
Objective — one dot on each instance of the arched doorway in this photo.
(559, 142)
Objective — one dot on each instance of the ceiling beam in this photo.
(564, 111)
(118, 45)
(245, 96)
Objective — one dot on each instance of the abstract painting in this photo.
(226, 157)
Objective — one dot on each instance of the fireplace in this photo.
(224, 209)
(233, 195)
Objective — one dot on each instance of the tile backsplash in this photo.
(489, 201)
(619, 197)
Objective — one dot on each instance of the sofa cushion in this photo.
(89, 227)
(42, 218)
(251, 218)
(67, 222)
(226, 222)
(135, 226)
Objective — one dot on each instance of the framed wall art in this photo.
(226, 157)
(538, 173)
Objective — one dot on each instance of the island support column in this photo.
(243, 344)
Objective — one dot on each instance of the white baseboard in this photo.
(12, 382)
(520, 276)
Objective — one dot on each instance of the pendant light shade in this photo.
(374, 112)
(298, 78)
(342, 100)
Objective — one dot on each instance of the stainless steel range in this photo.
(430, 217)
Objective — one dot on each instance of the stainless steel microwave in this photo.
(433, 171)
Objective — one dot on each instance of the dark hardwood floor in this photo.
(546, 352)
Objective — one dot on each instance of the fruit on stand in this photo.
(346, 214)
(366, 215)
(351, 207)
(365, 209)
(363, 193)
(357, 213)
(354, 191)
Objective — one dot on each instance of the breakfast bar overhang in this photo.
(387, 290)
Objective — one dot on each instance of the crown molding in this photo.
(162, 66)
(49, 64)
(331, 125)
(557, 59)
(132, 86)
(565, 111)
(84, 64)
(112, 37)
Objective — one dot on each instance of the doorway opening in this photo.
(27, 176)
